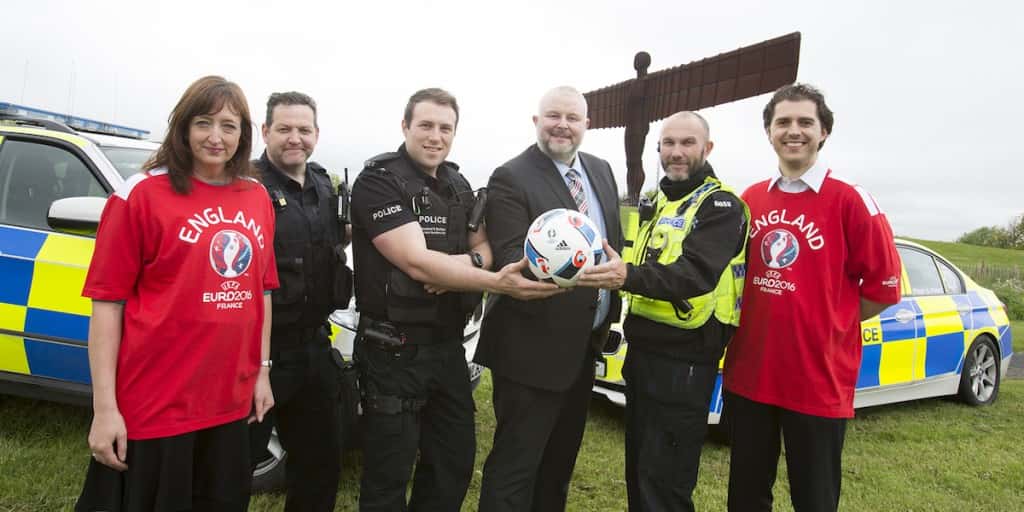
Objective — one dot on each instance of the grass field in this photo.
(966, 256)
(933, 455)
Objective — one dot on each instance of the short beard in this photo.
(691, 168)
(566, 157)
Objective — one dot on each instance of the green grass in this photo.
(933, 455)
(966, 255)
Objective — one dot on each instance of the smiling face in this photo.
(291, 137)
(213, 140)
(561, 123)
(683, 146)
(796, 133)
(429, 134)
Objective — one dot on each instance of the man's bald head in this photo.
(562, 92)
(684, 144)
(561, 122)
(684, 116)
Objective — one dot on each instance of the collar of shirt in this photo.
(438, 183)
(283, 180)
(812, 179)
(563, 169)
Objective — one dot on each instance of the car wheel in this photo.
(979, 379)
(268, 474)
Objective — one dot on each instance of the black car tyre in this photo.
(979, 380)
(269, 472)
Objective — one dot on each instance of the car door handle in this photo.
(904, 315)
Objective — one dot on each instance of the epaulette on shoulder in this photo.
(378, 161)
(315, 167)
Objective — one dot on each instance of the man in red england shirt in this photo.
(821, 259)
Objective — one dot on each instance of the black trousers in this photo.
(814, 448)
(202, 471)
(307, 415)
(667, 403)
(537, 438)
(416, 399)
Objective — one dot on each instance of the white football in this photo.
(560, 244)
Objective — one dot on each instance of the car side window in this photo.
(33, 175)
(922, 272)
(954, 285)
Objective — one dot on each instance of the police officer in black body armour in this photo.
(308, 242)
(419, 268)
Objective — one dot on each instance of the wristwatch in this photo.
(478, 261)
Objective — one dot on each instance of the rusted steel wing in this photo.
(730, 76)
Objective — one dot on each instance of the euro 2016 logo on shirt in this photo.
(230, 253)
(779, 249)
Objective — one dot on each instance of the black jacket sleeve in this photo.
(717, 236)
(507, 215)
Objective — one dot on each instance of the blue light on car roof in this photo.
(78, 123)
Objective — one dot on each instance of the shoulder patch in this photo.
(381, 212)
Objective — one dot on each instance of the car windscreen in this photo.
(128, 161)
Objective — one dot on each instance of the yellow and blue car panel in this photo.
(919, 338)
(44, 320)
(933, 341)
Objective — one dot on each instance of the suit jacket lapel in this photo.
(549, 173)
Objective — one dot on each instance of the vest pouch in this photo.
(408, 302)
(292, 283)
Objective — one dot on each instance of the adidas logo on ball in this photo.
(560, 244)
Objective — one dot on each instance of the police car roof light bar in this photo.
(39, 123)
(74, 122)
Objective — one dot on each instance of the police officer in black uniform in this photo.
(308, 242)
(419, 266)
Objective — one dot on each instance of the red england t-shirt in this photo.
(192, 270)
(811, 257)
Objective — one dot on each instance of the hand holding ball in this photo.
(560, 244)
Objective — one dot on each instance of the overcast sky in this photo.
(926, 94)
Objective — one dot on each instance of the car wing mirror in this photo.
(76, 215)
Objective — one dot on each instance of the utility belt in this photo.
(394, 336)
(387, 404)
(290, 337)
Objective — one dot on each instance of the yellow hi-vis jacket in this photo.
(662, 239)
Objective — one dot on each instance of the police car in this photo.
(947, 336)
(54, 181)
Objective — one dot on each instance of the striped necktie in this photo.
(576, 189)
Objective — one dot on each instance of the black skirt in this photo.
(205, 470)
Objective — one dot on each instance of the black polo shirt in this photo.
(379, 204)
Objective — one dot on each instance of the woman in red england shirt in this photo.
(180, 284)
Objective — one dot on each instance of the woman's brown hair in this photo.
(205, 96)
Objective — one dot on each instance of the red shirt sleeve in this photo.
(117, 258)
(872, 254)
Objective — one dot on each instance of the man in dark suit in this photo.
(541, 353)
